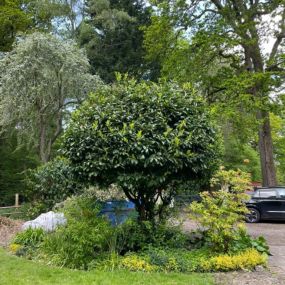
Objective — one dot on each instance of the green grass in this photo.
(18, 271)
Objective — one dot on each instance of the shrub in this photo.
(245, 241)
(26, 243)
(234, 181)
(85, 237)
(221, 213)
(49, 184)
(112, 193)
(134, 236)
(178, 260)
(30, 237)
(200, 260)
(147, 138)
(136, 263)
(248, 259)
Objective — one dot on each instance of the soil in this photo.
(8, 228)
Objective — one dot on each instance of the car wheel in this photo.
(253, 216)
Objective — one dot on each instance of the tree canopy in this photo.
(112, 37)
(218, 45)
(40, 81)
(149, 139)
(12, 20)
(18, 17)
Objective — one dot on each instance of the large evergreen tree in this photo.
(112, 37)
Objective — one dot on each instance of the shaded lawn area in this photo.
(18, 271)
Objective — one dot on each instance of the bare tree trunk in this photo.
(266, 150)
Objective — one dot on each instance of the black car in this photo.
(266, 203)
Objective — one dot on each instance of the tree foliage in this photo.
(278, 137)
(12, 20)
(49, 184)
(18, 17)
(112, 37)
(39, 79)
(148, 139)
(14, 162)
(218, 45)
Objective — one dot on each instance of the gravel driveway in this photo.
(275, 236)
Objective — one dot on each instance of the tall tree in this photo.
(278, 137)
(112, 36)
(226, 54)
(12, 20)
(40, 82)
(18, 17)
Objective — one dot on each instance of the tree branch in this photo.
(218, 4)
(279, 38)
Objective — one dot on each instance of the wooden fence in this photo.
(4, 211)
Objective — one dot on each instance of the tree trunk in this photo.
(264, 133)
(44, 156)
(145, 206)
(266, 150)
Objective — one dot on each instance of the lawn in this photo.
(17, 271)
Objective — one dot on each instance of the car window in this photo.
(281, 192)
(255, 194)
(267, 193)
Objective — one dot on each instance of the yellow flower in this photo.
(136, 263)
(14, 247)
(245, 260)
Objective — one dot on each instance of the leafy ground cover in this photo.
(14, 270)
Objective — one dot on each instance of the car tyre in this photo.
(253, 216)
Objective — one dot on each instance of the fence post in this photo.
(16, 200)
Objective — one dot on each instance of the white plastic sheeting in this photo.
(48, 221)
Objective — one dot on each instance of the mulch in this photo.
(8, 228)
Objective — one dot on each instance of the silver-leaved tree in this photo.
(41, 80)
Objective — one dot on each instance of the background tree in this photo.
(112, 37)
(15, 160)
(150, 140)
(40, 81)
(12, 20)
(18, 17)
(46, 14)
(225, 56)
(278, 137)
